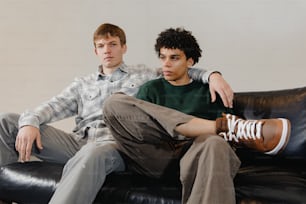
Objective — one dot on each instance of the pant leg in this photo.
(8, 133)
(144, 132)
(58, 146)
(85, 173)
(207, 171)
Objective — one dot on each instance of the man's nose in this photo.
(107, 48)
(167, 62)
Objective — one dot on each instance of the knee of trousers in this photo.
(94, 151)
(9, 120)
(215, 147)
(92, 155)
(212, 151)
(212, 143)
(9, 117)
(114, 103)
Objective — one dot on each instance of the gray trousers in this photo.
(145, 134)
(86, 164)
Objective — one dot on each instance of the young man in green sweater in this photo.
(175, 127)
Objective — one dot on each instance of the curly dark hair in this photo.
(179, 38)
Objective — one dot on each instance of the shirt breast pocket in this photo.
(130, 85)
(130, 88)
(91, 93)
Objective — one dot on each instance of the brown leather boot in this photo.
(266, 135)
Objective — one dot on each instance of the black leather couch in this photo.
(262, 179)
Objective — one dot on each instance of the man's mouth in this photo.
(166, 73)
(108, 58)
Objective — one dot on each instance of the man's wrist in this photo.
(207, 75)
(28, 119)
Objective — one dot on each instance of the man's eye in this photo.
(175, 58)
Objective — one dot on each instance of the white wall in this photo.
(44, 44)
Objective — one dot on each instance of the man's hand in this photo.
(218, 85)
(24, 142)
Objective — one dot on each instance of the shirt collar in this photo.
(116, 75)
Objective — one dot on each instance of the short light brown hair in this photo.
(106, 30)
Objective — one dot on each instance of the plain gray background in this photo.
(44, 44)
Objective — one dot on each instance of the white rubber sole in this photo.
(284, 138)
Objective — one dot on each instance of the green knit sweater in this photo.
(193, 99)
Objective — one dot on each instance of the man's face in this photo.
(175, 66)
(110, 52)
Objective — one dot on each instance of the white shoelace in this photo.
(246, 129)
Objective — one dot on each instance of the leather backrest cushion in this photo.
(289, 103)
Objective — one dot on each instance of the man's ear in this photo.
(190, 62)
(124, 47)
